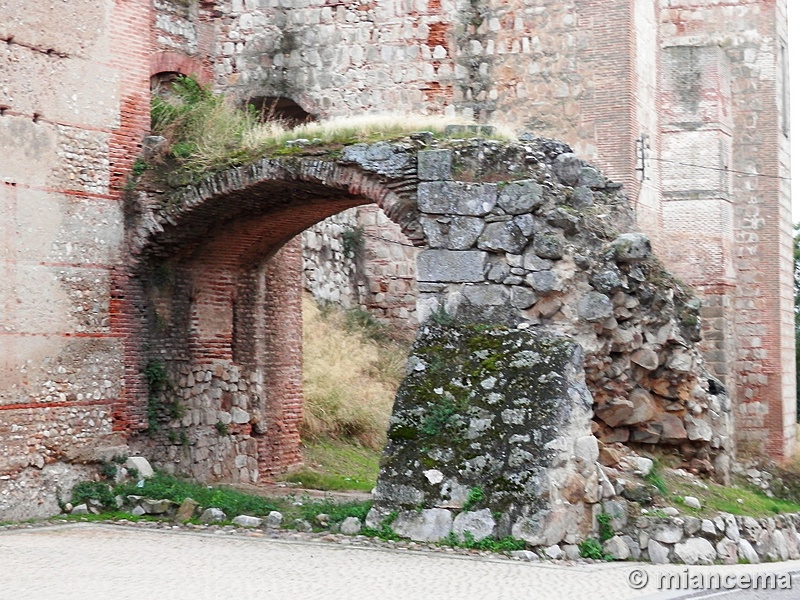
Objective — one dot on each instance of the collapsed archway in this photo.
(218, 275)
(511, 235)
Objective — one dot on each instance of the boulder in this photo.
(350, 526)
(595, 307)
(615, 412)
(247, 521)
(616, 548)
(274, 519)
(428, 525)
(659, 554)
(631, 247)
(186, 510)
(521, 197)
(696, 551)
(213, 515)
(140, 464)
(478, 524)
(747, 554)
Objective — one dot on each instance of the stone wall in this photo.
(589, 73)
(361, 259)
(73, 111)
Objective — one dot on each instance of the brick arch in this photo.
(215, 283)
(170, 61)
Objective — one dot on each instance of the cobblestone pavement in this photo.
(87, 561)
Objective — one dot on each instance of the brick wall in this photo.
(743, 231)
(75, 105)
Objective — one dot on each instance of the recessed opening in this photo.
(162, 83)
(277, 108)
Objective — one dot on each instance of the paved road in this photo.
(89, 561)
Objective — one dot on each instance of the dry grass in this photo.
(349, 378)
(206, 132)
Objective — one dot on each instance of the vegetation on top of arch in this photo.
(206, 132)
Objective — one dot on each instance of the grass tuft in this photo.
(207, 132)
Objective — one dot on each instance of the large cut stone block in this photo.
(434, 165)
(457, 198)
(451, 266)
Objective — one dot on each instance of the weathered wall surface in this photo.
(509, 234)
(725, 150)
(73, 108)
(615, 80)
(360, 259)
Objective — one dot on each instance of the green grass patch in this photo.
(336, 511)
(734, 499)
(333, 465)
(232, 502)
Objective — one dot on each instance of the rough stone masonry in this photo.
(74, 108)
(547, 323)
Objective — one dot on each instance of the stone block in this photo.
(479, 524)
(631, 247)
(543, 282)
(434, 165)
(567, 168)
(451, 266)
(486, 294)
(141, 464)
(428, 525)
(456, 198)
(616, 548)
(502, 237)
(659, 553)
(595, 307)
(521, 197)
(696, 551)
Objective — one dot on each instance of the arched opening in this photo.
(161, 83)
(279, 108)
(222, 326)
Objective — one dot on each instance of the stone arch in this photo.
(216, 270)
(510, 235)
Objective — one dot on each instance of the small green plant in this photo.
(353, 241)
(475, 496)
(222, 428)
(384, 530)
(441, 317)
(439, 417)
(487, 544)
(98, 491)
(656, 479)
(108, 470)
(139, 167)
(605, 530)
(592, 548)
